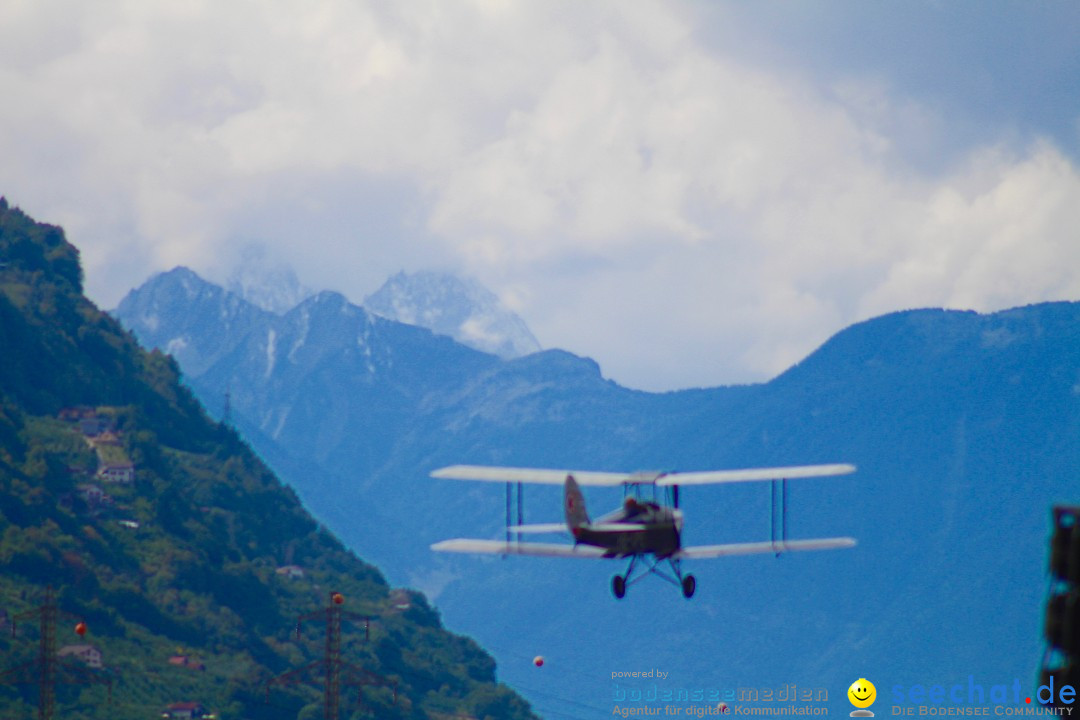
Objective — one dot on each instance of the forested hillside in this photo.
(186, 557)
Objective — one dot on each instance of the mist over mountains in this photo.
(965, 429)
(265, 284)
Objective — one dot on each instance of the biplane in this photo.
(639, 528)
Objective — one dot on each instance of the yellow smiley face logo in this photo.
(862, 693)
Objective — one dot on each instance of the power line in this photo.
(549, 669)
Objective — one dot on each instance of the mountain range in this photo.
(965, 428)
(460, 308)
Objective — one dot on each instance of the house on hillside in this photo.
(91, 494)
(186, 661)
(400, 600)
(293, 572)
(107, 437)
(87, 654)
(77, 413)
(186, 711)
(123, 472)
(94, 498)
(93, 426)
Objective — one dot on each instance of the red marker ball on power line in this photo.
(538, 661)
(338, 598)
(80, 629)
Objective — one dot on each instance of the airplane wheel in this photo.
(689, 585)
(618, 586)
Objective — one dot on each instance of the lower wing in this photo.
(501, 547)
(715, 551)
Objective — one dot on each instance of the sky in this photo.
(691, 193)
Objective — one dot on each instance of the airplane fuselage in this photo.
(636, 529)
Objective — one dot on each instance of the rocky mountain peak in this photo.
(459, 308)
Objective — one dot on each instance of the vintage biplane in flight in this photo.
(639, 528)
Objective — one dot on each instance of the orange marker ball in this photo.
(80, 629)
(538, 661)
(338, 598)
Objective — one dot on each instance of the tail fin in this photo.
(574, 504)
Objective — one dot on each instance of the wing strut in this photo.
(508, 486)
(779, 490)
(510, 506)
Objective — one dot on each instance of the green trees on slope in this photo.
(205, 555)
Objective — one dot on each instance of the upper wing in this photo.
(715, 551)
(530, 475)
(613, 479)
(501, 547)
(710, 477)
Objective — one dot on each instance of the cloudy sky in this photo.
(691, 193)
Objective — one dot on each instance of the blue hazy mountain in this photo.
(965, 428)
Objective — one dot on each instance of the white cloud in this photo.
(1000, 233)
(682, 214)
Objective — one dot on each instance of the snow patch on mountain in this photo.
(271, 343)
(150, 321)
(462, 309)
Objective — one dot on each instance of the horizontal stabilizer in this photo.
(539, 528)
(715, 551)
(616, 527)
(501, 547)
(719, 477)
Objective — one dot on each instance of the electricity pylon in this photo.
(47, 670)
(335, 671)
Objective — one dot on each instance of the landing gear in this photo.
(618, 586)
(619, 582)
(687, 582)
